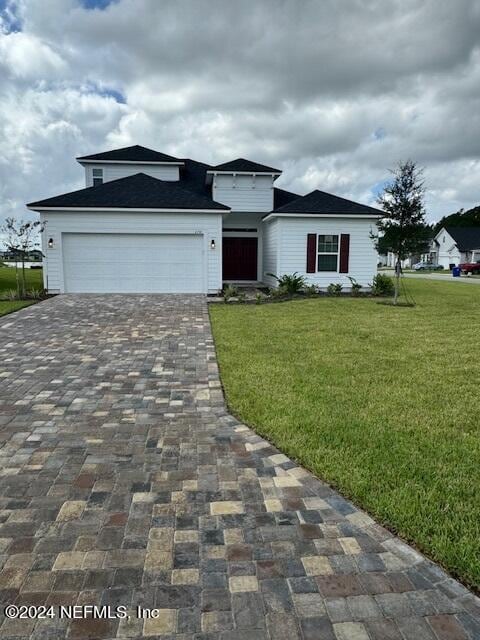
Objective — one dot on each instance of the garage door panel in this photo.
(133, 263)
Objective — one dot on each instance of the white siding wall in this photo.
(209, 225)
(270, 251)
(246, 220)
(292, 248)
(447, 250)
(244, 193)
(115, 171)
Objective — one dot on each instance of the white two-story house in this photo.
(453, 245)
(147, 222)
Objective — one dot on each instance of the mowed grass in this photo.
(8, 306)
(381, 402)
(8, 282)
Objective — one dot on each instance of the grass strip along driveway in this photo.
(8, 282)
(381, 402)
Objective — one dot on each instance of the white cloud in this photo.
(333, 93)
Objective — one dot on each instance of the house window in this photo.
(97, 175)
(327, 258)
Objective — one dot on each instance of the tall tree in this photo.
(403, 227)
(462, 218)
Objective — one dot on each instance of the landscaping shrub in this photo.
(382, 285)
(230, 291)
(30, 294)
(35, 294)
(279, 292)
(334, 289)
(291, 283)
(311, 290)
(356, 286)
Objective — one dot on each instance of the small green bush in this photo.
(291, 283)
(334, 289)
(258, 298)
(35, 294)
(279, 292)
(30, 294)
(382, 285)
(311, 290)
(230, 291)
(10, 294)
(356, 286)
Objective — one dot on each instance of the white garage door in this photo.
(133, 263)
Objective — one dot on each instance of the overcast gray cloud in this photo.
(334, 92)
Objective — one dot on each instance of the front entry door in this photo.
(239, 258)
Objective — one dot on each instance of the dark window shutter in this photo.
(311, 253)
(344, 252)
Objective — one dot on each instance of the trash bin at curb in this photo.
(456, 271)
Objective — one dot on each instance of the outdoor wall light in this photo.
(212, 244)
(50, 243)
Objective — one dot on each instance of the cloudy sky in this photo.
(335, 92)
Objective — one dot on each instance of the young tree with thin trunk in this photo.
(21, 238)
(403, 229)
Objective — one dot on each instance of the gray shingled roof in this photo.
(466, 238)
(241, 164)
(139, 191)
(136, 153)
(326, 203)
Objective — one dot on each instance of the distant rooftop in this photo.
(241, 164)
(136, 153)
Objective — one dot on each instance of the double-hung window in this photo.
(327, 253)
(97, 176)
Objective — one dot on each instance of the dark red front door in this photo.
(239, 258)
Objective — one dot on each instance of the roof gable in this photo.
(282, 197)
(466, 238)
(243, 165)
(139, 191)
(321, 202)
(135, 153)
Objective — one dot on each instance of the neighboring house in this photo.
(149, 222)
(35, 255)
(407, 263)
(454, 245)
(16, 254)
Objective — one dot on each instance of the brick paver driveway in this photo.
(125, 482)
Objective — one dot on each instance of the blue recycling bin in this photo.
(456, 271)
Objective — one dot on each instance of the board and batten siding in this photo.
(244, 193)
(270, 251)
(209, 225)
(290, 242)
(116, 171)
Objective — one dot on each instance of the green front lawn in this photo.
(8, 279)
(8, 282)
(381, 402)
(7, 306)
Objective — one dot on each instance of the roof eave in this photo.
(82, 161)
(299, 214)
(244, 173)
(40, 208)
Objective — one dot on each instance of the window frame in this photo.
(99, 179)
(328, 253)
